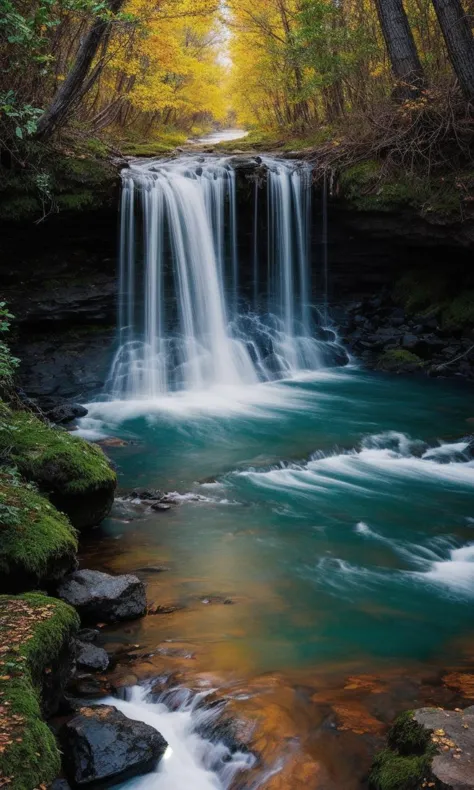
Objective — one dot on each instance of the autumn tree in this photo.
(80, 79)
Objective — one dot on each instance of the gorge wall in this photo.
(59, 276)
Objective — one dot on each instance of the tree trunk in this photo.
(401, 48)
(76, 85)
(457, 34)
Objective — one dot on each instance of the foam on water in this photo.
(263, 401)
(191, 761)
(456, 572)
(381, 458)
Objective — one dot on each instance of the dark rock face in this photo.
(90, 657)
(101, 745)
(101, 597)
(371, 329)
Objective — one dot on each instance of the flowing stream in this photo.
(332, 507)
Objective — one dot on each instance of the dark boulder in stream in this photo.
(100, 597)
(100, 744)
(90, 657)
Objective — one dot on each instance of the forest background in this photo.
(354, 81)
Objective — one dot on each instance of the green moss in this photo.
(79, 178)
(397, 359)
(459, 312)
(434, 294)
(19, 207)
(362, 174)
(256, 140)
(37, 543)
(371, 186)
(34, 630)
(392, 771)
(407, 736)
(52, 457)
(164, 142)
(77, 201)
(421, 291)
(406, 764)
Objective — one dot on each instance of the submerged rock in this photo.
(91, 657)
(102, 597)
(101, 744)
(146, 494)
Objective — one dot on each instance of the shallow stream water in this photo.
(322, 525)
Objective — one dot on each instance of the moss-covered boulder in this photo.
(74, 473)
(399, 360)
(406, 763)
(37, 543)
(35, 658)
(429, 747)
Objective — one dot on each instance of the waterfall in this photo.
(185, 322)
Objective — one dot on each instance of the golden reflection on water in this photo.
(320, 724)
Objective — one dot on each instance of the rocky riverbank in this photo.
(409, 330)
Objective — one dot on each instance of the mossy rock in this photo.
(372, 186)
(36, 658)
(406, 764)
(407, 736)
(74, 474)
(37, 543)
(437, 294)
(399, 360)
(79, 178)
(392, 771)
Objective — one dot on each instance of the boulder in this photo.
(101, 597)
(429, 747)
(75, 475)
(88, 634)
(146, 494)
(452, 733)
(60, 784)
(90, 657)
(409, 341)
(66, 412)
(100, 744)
(397, 317)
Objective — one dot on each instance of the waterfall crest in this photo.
(185, 319)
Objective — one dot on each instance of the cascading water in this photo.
(190, 761)
(185, 321)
